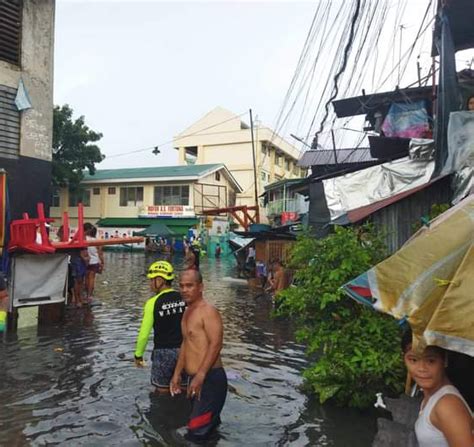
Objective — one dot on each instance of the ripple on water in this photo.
(76, 384)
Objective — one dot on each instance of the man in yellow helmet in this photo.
(163, 312)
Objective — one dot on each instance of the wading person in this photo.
(200, 357)
(280, 278)
(191, 258)
(3, 304)
(445, 419)
(96, 260)
(163, 312)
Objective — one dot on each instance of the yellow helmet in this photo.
(161, 268)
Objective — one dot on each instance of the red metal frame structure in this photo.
(245, 220)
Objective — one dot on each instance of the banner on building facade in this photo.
(167, 211)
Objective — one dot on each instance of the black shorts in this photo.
(205, 412)
(162, 368)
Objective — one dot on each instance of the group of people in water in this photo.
(188, 337)
(84, 265)
(186, 359)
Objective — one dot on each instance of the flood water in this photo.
(76, 384)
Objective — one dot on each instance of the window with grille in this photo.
(81, 196)
(55, 198)
(131, 196)
(96, 191)
(10, 30)
(111, 190)
(171, 195)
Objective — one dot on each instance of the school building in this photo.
(120, 201)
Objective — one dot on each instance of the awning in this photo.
(156, 229)
(361, 213)
(429, 281)
(177, 225)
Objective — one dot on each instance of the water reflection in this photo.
(75, 384)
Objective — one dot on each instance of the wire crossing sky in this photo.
(143, 71)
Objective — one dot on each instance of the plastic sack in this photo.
(407, 120)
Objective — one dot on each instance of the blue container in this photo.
(257, 228)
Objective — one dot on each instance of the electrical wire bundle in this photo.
(350, 45)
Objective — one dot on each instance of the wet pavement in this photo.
(76, 384)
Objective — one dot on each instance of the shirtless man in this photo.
(200, 357)
(280, 279)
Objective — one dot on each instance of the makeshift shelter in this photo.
(429, 281)
(156, 229)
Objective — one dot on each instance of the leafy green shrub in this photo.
(435, 210)
(356, 349)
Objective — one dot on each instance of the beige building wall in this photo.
(202, 192)
(222, 137)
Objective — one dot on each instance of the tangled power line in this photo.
(350, 45)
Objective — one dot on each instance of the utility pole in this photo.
(257, 212)
(334, 146)
(418, 68)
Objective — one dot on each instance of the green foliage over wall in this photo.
(435, 211)
(356, 351)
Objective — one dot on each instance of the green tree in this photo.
(354, 350)
(72, 148)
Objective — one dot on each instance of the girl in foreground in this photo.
(445, 419)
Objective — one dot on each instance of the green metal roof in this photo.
(154, 172)
(145, 222)
(287, 182)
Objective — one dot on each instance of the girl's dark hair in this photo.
(467, 101)
(407, 339)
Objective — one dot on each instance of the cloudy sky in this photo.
(142, 71)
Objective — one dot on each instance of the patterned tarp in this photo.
(429, 281)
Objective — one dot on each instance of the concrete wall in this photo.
(37, 49)
(29, 170)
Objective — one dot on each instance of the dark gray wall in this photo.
(28, 182)
(398, 220)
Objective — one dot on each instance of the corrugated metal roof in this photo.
(361, 213)
(158, 171)
(327, 157)
(280, 183)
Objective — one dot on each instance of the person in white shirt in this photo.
(445, 419)
(96, 260)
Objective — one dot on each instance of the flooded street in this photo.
(76, 384)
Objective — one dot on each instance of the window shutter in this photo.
(10, 31)
(9, 123)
